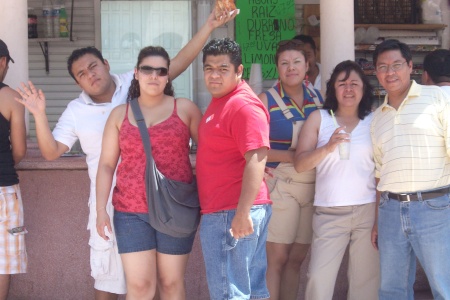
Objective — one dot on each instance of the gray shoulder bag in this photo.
(173, 206)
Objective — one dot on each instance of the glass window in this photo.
(128, 26)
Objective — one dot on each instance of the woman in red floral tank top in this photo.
(150, 258)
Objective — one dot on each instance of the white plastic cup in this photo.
(255, 80)
(344, 148)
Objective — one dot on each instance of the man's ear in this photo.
(240, 71)
(426, 78)
(105, 61)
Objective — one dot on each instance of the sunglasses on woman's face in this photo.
(148, 70)
(293, 41)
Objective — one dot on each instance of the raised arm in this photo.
(189, 52)
(275, 155)
(35, 102)
(106, 167)
(307, 156)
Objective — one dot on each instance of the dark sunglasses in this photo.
(293, 41)
(148, 70)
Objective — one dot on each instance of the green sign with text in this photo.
(260, 25)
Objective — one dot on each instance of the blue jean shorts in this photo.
(134, 233)
(235, 269)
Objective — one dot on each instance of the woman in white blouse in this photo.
(345, 188)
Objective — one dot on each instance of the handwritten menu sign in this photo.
(260, 25)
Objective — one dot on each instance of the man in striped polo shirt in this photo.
(411, 141)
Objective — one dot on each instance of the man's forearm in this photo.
(46, 142)
(189, 52)
(251, 180)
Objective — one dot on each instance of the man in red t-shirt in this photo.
(232, 152)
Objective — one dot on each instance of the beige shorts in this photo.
(292, 195)
(13, 255)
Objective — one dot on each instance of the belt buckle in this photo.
(408, 199)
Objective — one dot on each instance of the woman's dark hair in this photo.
(347, 66)
(289, 45)
(134, 91)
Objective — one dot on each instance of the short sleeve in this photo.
(64, 131)
(250, 128)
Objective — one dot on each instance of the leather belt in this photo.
(426, 195)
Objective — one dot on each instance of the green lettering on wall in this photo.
(260, 25)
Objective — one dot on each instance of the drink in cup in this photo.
(344, 147)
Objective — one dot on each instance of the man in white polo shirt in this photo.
(84, 119)
(436, 69)
(411, 141)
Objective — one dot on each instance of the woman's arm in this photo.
(190, 114)
(307, 156)
(106, 168)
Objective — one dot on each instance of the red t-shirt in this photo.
(231, 126)
(170, 150)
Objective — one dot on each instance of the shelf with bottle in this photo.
(64, 31)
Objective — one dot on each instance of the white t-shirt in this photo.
(446, 88)
(345, 182)
(318, 82)
(85, 120)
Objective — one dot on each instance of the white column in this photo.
(14, 32)
(445, 7)
(337, 41)
(203, 97)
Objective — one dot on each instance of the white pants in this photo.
(106, 265)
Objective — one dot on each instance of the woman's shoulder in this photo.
(185, 103)
(118, 112)
(315, 116)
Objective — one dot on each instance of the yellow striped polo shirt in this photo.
(412, 144)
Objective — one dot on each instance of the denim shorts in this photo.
(134, 233)
(235, 269)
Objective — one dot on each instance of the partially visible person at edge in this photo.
(13, 255)
(84, 119)
(292, 193)
(234, 201)
(411, 140)
(436, 69)
(150, 258)
(309, 47)
(345, 189)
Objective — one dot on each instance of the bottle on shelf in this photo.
(32, 24)
(47, 18)
(55, 18)
(63, 28)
